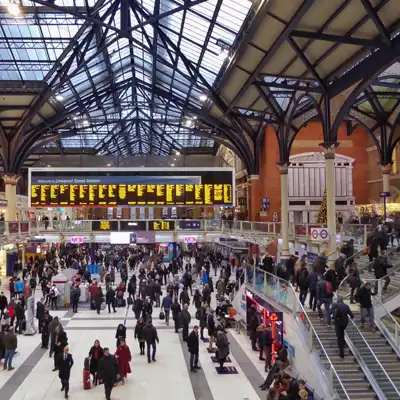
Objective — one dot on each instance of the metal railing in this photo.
(378, 377)
(390, 328)
(282, 292)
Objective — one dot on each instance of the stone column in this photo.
(386, 170)
(10, 181)
(284, 169)
(330, 150)
(255, 200)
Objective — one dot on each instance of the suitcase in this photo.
(123, 303)
(130, 301)
(86, 380)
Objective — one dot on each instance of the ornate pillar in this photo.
(255, 200)
(330, 150)
(386, 169)
(10, 181)
(284, 169)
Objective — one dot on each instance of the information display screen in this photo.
(124, 187)
(161, 225)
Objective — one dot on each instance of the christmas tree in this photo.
(322, 217)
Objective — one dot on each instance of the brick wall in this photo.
(308, 140)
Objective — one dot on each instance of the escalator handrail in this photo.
(289, 285)
(375, 357)
(384, 329)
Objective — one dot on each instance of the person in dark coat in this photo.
(312, 286)
(197, 299)
(120, 334)
(176, 311)
(222, 344)
(95, 355)
(185, 319)
(139, 335)
(3, 304)
(40, 314)
(75, 296)
(47, 318)
(340, 314)
(98, 299)
(151, 337)
(266, 342)
(65, 364)
(193, 347)
(202, 321)
(108, 372)
(110, 299)
(60, 342)
(137, 306)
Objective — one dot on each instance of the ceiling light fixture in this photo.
(59, 97)
(172, 165)
(224, 54)
(203, 97)
(177, 153)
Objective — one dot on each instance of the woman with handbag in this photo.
(95, 354)
(123, 355)
(222, 348)
(139, 335)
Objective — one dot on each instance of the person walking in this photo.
(64, 370)
(52, 333)
(312, 287)
(166, 307)
(3, 305)
(120, 333)
(139, 335)
(75, 296)
(40, 310)
(197, 299)
(110, 299)
(193, 347)
(53, 297)
(95, 355)
(98, 299)
(185, 319)
(10, 343)
(266, 343)
(60, 342)
(364, 297)
(341, 313)
(176, 311)
(124, 357)
(137, 306)
(324, 297)
(222, 344)
(108, 372)
(46, 329)
(202, 320)
(151, 337)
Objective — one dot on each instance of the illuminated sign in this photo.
(190, 239)
(129, 187)
(161, 225)
(76, 239)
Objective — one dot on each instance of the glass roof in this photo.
(123, 86)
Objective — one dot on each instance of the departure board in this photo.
(93, 187)
(161, 225)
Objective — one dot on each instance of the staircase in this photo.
(353, 379)
(379, 357)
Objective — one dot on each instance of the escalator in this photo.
(351, 374)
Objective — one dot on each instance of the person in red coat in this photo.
(123, 355)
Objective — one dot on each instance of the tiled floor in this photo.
(167, 379)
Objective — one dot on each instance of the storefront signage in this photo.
(13, 228)
(189, 224)
(142, 237)
(76, 239)
(3, 203)
(190, 239)
(130, 226)
(24, 227)
(242, 201)
(319, 234)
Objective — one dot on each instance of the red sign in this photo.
(190, 239)
(13, 227)
(76, 239)
(24, 227)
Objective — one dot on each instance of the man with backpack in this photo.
(324, 297)
(341, 313)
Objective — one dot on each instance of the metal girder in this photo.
(301, 11)
(290, 86)
(377, 21)
(337, 38)
(368, 68)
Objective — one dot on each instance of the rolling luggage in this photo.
(123, 303)
(86, 380)
(130, 301)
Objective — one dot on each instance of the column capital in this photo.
(283, 167)
(330, 149)
(386, 168)
(10, 179)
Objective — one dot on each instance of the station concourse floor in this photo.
(166, 379)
